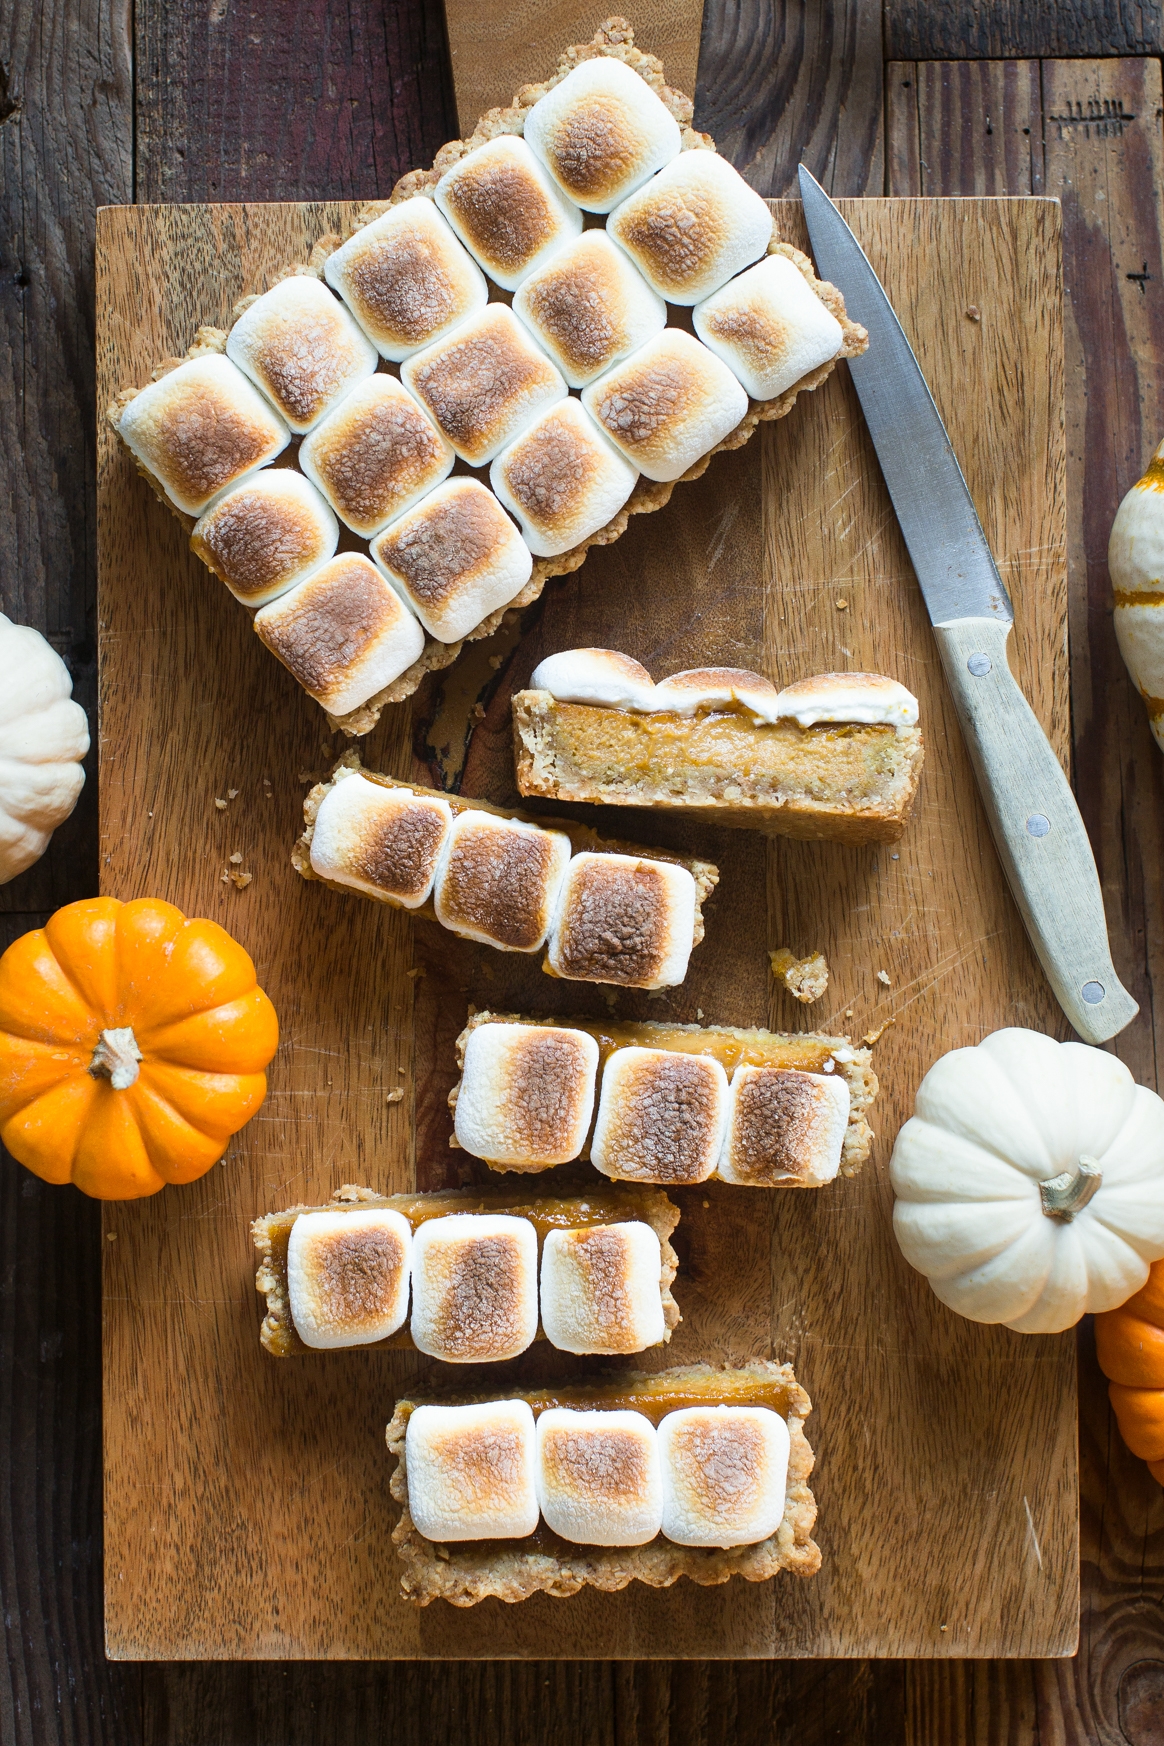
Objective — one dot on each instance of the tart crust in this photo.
(614, 38)
(544, 1563)
(562, 1211)
(731, 1046)
(582, 837)
(844, 782)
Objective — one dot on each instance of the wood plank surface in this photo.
(985, 30)
(1108, 176)
(273, 1469)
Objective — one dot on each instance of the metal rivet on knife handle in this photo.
(979, 665)
(1038, 824)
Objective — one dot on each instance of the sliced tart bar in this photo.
(663, 1103)
(605, 911)
(694, 1472)
(339, 1275)
(837, 756)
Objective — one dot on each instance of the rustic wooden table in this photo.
(103, 102)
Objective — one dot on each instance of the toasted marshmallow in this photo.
(668, 404)
(602, 132)
(266, 534)
(725, 1469)
(508, 213)
(600, 1288)
(526, 1094)
(705, 688)
(562, 479)
(783, 1126)
(769, 327)
(344, 633)
(484, 383)
(385, 842)
(589, 307)
(866, 698)
(625, 920)
(472, 1471)
(600, 1481)
(474, 1287)
(692, 227)
(661, 1116)
(301, 347)
(498, 880)
(455, 558)
(406, 279)
(347, 1276)
(599, 676)
(200, 428)
(375, 455)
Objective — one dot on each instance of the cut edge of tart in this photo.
(562, 1210)
(613, 38)
(512, 1570)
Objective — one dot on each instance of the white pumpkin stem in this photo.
(1064, 1195)
(116, 1057)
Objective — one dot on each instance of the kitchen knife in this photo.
(1037, 829)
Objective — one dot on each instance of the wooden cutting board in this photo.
(246, 1499)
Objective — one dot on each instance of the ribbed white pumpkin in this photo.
(1030, 1182)
(43, 737)
(1135, 562)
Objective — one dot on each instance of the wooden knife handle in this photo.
(1039, 834)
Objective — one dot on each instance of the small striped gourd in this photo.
(1135, 561)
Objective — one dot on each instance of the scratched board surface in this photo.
(247, 1505)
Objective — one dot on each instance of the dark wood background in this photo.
(107, 101)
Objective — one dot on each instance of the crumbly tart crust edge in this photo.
(582, 837)
(463, 1574)
(857, 1071)
(278, 1333)
(614, 38)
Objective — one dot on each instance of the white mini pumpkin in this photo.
(43, 737)
(1135, 562)
(1030, 1182)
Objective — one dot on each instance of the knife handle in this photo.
(1037, 828)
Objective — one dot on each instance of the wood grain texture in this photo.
(287, 99)
(496, 46)
(964, 127)
(1107, 174)
(944, 30)
(781, 81)
(261, 1481)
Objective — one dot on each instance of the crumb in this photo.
(308, 776)
(848, 1012)
(895, 857)
(236, 859)
(842, 606)
(495, 661)
(401, 1070)
(699, 1012)
(396, 1096)
(111, 1236)
(234, 876)
(477, 712)
(232, 794)
(657, 993)
(805, 978)
(414, 974)
(973, 313)
(884, 978)
(705, 1203)
(872, 1037)
(220, 804)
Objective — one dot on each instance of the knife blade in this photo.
(1037, 828)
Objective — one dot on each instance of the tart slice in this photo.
(837, 756)
(604, 1482)
(604, 911)
(486, 1268)
(672, 1104)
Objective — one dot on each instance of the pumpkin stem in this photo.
(1064, 1195)
(116, 1057)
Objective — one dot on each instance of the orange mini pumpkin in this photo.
(1129, 1342)
(132, 1046)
